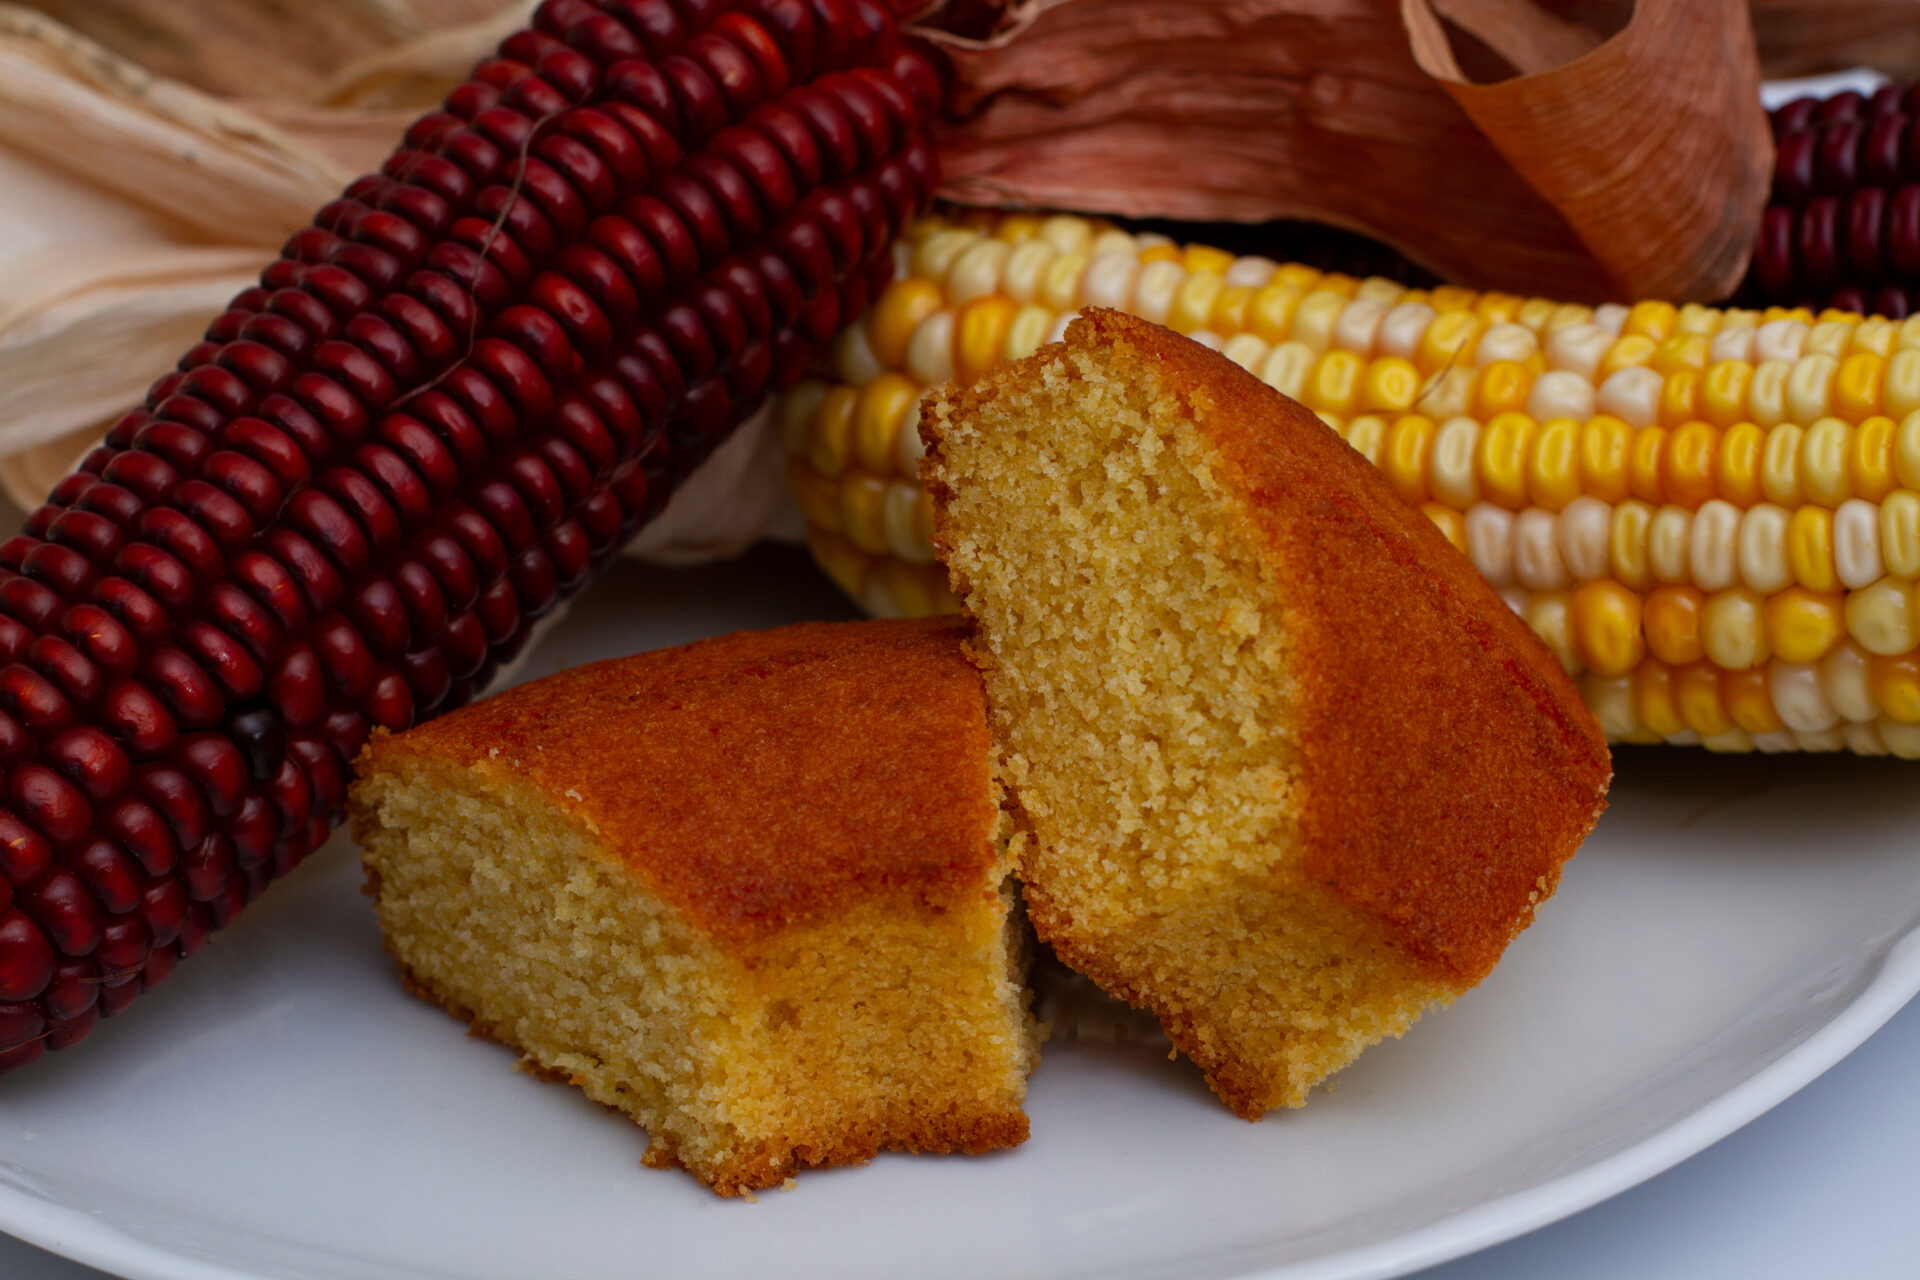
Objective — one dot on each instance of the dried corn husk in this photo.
(1803, 37)
(1580, 177)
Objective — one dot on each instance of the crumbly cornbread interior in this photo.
(1138, 670)
(820, 1044)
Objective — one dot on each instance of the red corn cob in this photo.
(450, 400)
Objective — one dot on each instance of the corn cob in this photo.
(1842, 225)
(1711, 517)
(446, 404)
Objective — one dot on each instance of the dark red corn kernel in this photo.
(15, 638)
(279, 332)
(95, 536)
(253, 828)
(16, 743)
(137, 718)
(139, 828)
(72, 992)
(748, 377)
(603, 39)
(423, 454)
(499, 611)
(262, 369)
(112, 876)
(1866, 211)
(1903, 232)
(390, 706)
(485, 405)
(534, 481)
(176, 799)
(164, 909)
(507, 512)
(26, 958)
(732, 195)
(701, 102)
(292, 797)
(1890, 300)
(182, 540)
(188, 692)
(195, 931)
(24, 853)
(114, 999)
(61, 569)
(429, 674)
(694, 208)
(270, 446)
(517, 375)
(535, 583)
(426, 608)
(240, 616)
(120, 435)
(223, 518)
(344, 656)
(331, 529)
(32, 603)
(30, 1052)
(464, 644)
(215, 763)
(588, 176)
(345, 732)
(478, 539)
(362, 500)
(70, 670)
(677, 245)
(159, 965)
(115, 502)
(588, 440)
(585, 325)
(232, 899)
(33, 700)
(570, 555)
(165, 386)
(19, 1024)
(454, 573)
(62, 906)
(315, 319)
(401, 488)
(572, 472)
(148, 475)
(207, 868)
(758, 161)
(297, 690)
(380, 616)
(223, 658)
(340, 413)
(91, 760)
(124, 943)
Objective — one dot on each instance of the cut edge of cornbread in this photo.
(1202, 745)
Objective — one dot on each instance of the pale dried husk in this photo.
(1804, 37)
(1629, 166)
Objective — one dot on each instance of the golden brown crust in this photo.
(1449, 767)
(736, 776)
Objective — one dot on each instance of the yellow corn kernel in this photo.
(1446, 394)
(1767, 392)
(1611, 698)
(1627, 352)
(1870, 460)
(1334, 384)
(1449, 340)
(1553, 470)
(1645, 464)
(906, 537)
(1906, 451)
(1448, 520)
(1671, 620)
(1694, 318)
(1895, 682)
(1381, 290)
(1731, 630)
(1690, 473)
(1780, 466)
(1880, 617)
(1501, 387)
(1749, 700)
(1068, 232)
(1230, 310)
(817, 497)
(1696, 690)
(1159, 253)
(1297, 275)
(1029, 330)
(1900, 533)
(1366, 434)
(797, 408)
(1742, 451)
(1018, 228)
(877, 415)
(1723, 392)
(1627, 543)
(1501, 459)
(1810, 548)
(1314, 318)
(1205, 258)
(1340, 283)
(1829, 336)
(1803, 626)
(1900, 393)
(1654, 700)
(1604, 618)
(1823, 462)
(845, 563)
(1404, 456)
(1679, 398)
(1681, 351)
(1875, 334)
(1060, 285)
(1810, 387)
(1193, 302)
(1536, 313)
(1606, 447)
(890, 325)
(936, 253)
(830, 441)
(1390, 385)
(1857, 386)
(1451, 297)
(863, 511)
(1653, 320)
(979, 332)
(1550, 617)
(1496, 308)
(1270, 314)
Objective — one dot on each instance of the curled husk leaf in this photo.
(1338, 111)
(1804, 37)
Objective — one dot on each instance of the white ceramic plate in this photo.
(281, 1109)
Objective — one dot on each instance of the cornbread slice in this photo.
(1287, 770)
(751, 892)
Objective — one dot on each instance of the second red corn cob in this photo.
(451, 400)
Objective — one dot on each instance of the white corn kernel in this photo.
(930, 350)
(1453, 478)
(1632, 395)
(1732, 343)
(1402, 328)
(1359, 326)
(1154, 291)
(1810, 388)
(1734, 742)
(1775, 743)
(1536, 551)
(1560, 393)
(1208, 339)
(1246, 350)
(1856, 543)
(1549, 617)
(1114, 240)
(1026, 270)
(1779, 340)
(1880, 616)
(1611, 698)
(852, 356)
(1490, 542)
(1831, 740)
(1059, 331)
(1380, 289)
(1251, 272)
(1287, 367)
(900, 516)
(1579, 349)
(1844, 675)
(1446, 394)
(907, 448)
(1862, 738)
(1505, 341)
(1714, 548)
(1108, 281)
(1610, 316)
(1067, 233)
(1902, 740)
(1763, 548)
(1670, 544)
(1584, 528)
(1515, 598)
(976, 272)
(1798, 697)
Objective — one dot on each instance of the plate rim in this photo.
(79, 1237)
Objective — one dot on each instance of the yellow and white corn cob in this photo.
(1711, 516)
